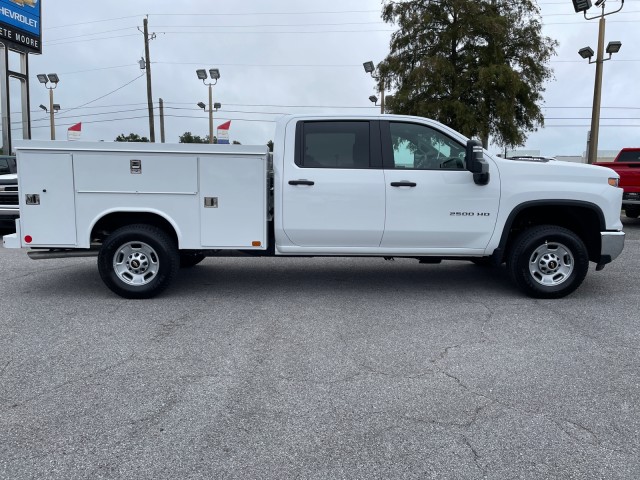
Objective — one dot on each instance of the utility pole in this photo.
(210, 113)
(587, 53)
(51, 112)
(145, 22)
(161, 103)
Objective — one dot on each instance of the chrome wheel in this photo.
(136, 263)
(551, 264)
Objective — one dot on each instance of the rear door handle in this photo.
(403, 184)
(301, 182)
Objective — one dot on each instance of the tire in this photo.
(138, 261)
(188, 260)
(632, 212)
(547, 261)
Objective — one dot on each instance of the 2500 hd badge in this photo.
(469, 214)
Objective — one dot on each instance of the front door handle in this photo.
(404, 183)
(301, 182)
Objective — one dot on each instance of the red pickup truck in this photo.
(627, 165)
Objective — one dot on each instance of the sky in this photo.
(288, 56)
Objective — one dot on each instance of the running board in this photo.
(49, 254)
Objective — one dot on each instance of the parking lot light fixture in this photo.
(202, 105)
(586, 52)
(368, 67)
(50, 82)
(613, 47)
(215, 76)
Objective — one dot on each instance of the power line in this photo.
(210, 15)
(109, 120)
(274, 25)
(100, 68)
(106, 94)
(90, 114)
(49, 44)
(91, 34)
(209, 32)
(275, 106)
(359, 65)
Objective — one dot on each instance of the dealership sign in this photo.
(20, 24)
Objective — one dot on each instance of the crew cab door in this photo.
(334, 193)
(432, 200)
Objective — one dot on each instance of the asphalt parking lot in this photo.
(318, 368)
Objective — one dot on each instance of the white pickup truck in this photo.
(387, 186)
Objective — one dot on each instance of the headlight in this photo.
(613, 181)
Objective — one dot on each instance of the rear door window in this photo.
(335, 145)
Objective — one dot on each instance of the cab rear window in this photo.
(629, 156)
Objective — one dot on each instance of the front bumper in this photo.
(631, 198)
(612, 245)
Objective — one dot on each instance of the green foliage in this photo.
(188, 137)
(132, 137)
(477, 66)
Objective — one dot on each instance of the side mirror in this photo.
(476, 163)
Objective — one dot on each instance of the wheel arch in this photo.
(583, 218)
(111, 220)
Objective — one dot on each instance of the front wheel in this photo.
(632, 212)
(547, 261)
(138, 261)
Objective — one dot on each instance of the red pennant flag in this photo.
(74, 132)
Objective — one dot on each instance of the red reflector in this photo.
(28, 239)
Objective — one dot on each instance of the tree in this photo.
(188, 137)
(477, 66)
(270, 145)
(132, 137)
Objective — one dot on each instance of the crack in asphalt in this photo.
(69, 382)
(476, 455)
(595, 441)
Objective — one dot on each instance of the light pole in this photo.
(370, 68)
(587, 53)
(51, 79)
(215, 75)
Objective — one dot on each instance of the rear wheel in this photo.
(548, 261)
(138, 261)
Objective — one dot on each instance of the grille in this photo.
(7, 198)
